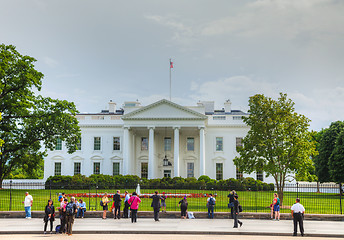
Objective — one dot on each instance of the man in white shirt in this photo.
(27, 205)
(297, 211)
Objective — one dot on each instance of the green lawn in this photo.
(316, 203)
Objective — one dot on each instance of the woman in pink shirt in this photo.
(134, 202)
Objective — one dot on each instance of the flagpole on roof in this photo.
(171, 66)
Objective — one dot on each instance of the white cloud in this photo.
(50, 62)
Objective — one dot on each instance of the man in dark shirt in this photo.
(236, 212)
(117, 202)
(156, 205)
(71, 210)
(231, 202)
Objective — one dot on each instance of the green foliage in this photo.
(310, 174)
(336, 161)
(204, 178)
(278, 142)
(327, 144)
(29, 120)
(29, 170)
(131, 181)
(1, 141)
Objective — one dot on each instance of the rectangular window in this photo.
(96, 168)
(144, 144)
(190, 169)
(97, 143)
(260, 176)
(219, 144)
(190, 144)
(115, 168)
(77, 168)
(57, 169)
(167, 142)
(219, 118)
(219, 171)
(239, 174)
(144, 170)
(237, 118)
(116, 143)
(78, 144)
(167, 173)
(238, 142)
(58, 144)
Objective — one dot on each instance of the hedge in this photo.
(130, 181)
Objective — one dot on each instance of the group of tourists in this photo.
(69, 209)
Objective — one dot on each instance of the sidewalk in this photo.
(178, 226)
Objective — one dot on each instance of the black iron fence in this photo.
(316, 198)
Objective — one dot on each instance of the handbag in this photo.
(230, 205)
(240, 208)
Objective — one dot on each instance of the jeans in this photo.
(51, 220)
(117, 211)
(211, 212)
(70, 221)
(133, 215)
(236, 220)
(80, 212)
(28, 212)
(156, 214)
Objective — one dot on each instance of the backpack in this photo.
(211, 201)
(101, 203)
(184, 204)
(278, 201)
(57, 228)
(70, 209)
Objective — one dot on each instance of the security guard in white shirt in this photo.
(297, 211)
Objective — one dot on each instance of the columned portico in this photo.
(201, 152)
(126, 148)
(176, 152)
(151, 162)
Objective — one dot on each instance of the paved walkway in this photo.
(178, 226)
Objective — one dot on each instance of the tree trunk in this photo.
(318, 187)
(280, 188)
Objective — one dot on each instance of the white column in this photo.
(151, 162)
(176, 152)
(201, 152)
(126, 147)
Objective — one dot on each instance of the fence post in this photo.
(10, 195)
(50, 187)
(256, 195)
(340, 197)
(297, 189)
(89, 197)
(96, 196)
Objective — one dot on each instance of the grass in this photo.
(315, 203)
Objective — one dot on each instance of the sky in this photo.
(91, 52)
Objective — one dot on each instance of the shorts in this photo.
(105, 207)
(163, 204)
(276, 208)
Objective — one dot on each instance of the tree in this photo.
(1, 141)
(336, 161)
(309, 175)
(278, 142)
(30, 123)
(326, 147)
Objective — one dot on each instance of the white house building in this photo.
(161, 139)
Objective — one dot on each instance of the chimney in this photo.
(112, 107)
(228, 105)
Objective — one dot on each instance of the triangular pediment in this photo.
(164, 109)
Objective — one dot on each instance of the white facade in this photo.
(196, 141)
